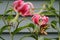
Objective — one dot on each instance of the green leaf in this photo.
(9, 17)
(36, 29)
(41, 38)
(54, 24)
(1, 2)
(52, 10)
(51, 2)
(10, 10)
(24, 37)
(57, 38)
(0, 16)
(23, 27)
(33, 36)
(59, 20)
(3, 28)
(49, 11)
(47, 39)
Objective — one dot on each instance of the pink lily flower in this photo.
(40, 20)
(23, 7)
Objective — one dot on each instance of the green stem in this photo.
(4, 12)
(58, 33)
(15, 18)
(20, 22)
(11, 36)
(37, 34)
(37, 39)
(3, 18)
(58, 28)
(17, 15)
(6, 6)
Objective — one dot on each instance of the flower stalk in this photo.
(11, 36)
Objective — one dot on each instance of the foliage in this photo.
(12, 21)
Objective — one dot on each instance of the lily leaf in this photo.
(51, 2)
(10, 10)
(49, 11)
(41, 38)
(0, 16)
(47, 39)
(54, 24)
(31, 35)
(52, 10)
(3, 28)
(1, 2)
(23, 27)
(24, 37)
(9, 17)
